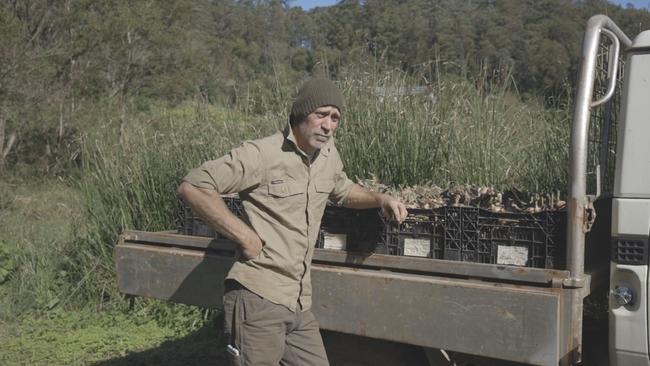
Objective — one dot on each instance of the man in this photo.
(284, 181)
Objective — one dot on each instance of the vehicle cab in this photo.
(628, 319)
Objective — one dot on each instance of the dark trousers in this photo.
(263, 333)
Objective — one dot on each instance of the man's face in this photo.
(317, 128)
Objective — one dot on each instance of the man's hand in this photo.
(252, 246)
(209, 206)
(393, 208)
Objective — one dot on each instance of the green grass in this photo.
(42, 321)
(88, 337)
(37, 221)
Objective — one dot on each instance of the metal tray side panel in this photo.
(178, 275)
(517, 323)
(505, 322)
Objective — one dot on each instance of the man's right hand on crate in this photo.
(391, 207)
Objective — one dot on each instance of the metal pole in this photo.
(578, 199)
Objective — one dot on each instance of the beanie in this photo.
(315, 93)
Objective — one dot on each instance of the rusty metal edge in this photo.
(538, 276)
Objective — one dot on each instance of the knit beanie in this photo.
(315, 93)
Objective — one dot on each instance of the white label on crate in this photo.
(417, 247)
(334, 241)
(514, 255)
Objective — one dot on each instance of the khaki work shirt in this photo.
(284, 197)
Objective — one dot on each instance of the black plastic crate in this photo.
(350, 229)
(419, 235)
(540, 238)
(471, 234)
(188, 223)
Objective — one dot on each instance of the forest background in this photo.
(105, 104)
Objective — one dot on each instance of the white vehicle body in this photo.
(629, 322)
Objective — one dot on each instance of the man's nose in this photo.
(327, 124)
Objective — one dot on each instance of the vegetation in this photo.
(105, 106)
(455, 132)
(64, 63)
(42, 321)
(108, 338)
(128, 179)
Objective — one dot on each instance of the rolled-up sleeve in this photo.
(232, 173)
(342, 184)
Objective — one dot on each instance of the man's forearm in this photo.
(210, 207)
(360, 198)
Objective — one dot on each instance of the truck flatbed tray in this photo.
(537, 276)
(474, 303)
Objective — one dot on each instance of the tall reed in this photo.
(463, 131)
(129, 182)
(451, 131)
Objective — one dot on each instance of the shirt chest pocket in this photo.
(282, 188)
(324, 186)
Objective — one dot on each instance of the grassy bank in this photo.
(43, 321)
(37, 222)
